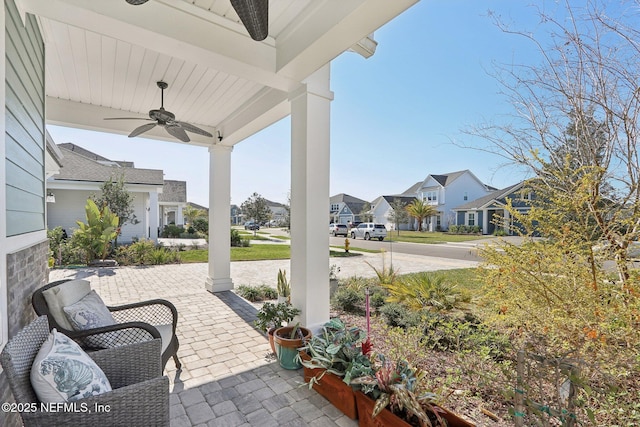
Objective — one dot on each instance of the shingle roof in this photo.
(413, 189)
(404, 199)
(353, 203)
(173, 191)
(76, 166)
(448, 178)
(498, 196)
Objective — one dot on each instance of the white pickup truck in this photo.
(368, 231)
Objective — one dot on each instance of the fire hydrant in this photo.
(346, 245)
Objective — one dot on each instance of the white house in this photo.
(171, 202)
(381, 209)
(448, 191)
(81, 175)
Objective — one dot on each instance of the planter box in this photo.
(387, 419)
(333, 389)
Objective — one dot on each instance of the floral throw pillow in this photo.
(89, 313)
(63, 372)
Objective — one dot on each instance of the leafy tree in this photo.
(365, 213)
(419, 209)
(398, 214)
(115, 196)
(97, 233)
(255, 207)
(575, 127)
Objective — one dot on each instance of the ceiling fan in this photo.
(166, 119)
(254, 14)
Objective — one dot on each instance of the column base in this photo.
(218, 285)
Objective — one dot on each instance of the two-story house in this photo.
(382, 208)
(345, 209)
(448, 191)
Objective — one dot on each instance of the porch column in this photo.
(219, 277)
(179, 216)
(153, 216)
(310, 108)
(507, 223)
(485, 221)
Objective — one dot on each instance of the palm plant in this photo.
(420, 210)
(100, 229)
(425, 289)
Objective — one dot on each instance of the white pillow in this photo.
(89, 313)
(62, 372)
(63, 295)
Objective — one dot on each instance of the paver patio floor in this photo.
(227, 378)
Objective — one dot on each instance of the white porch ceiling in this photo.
(104, 57)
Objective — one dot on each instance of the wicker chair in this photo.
(140, 395)
(136, 322)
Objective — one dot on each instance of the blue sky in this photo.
(394, 119)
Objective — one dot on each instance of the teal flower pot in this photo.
(287, 348)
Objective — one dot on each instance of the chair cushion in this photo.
(166, 334)
(89, 313)
(65, 294)
(62, 372)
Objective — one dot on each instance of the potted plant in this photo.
(287, 340)
(331, 359)
(394, 396)
(284, 288)
(272, 316)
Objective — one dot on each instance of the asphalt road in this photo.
(463, 251)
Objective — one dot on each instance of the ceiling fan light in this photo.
(254, 14)
(136, 2)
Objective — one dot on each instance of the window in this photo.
(335, 207)
(466, 196)
(471, 220)
(430, 196)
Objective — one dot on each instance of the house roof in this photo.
(354, 204)
(413, 189)
(448, 178)
(202, 208)
(498, 196)
(403, 199)
(274, 204)
(77, 165)
(173, 191)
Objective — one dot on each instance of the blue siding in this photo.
(25, 130)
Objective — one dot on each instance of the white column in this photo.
(179, 216)
(219, 277)
(310, 129)
(485, 221)
(507, 222)
(153, 216)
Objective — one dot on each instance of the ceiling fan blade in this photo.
(254, 14)
(191, 128)
(177, 132)
(126, 118)
(142, 129)
(136, 2)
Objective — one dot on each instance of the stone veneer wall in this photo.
(27, 270)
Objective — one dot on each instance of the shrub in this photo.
(399, 315)
(172, 231)
(237, 240)
(201, 225)
(268, 292)
(426, 289)
(349, 300)
(249, 293)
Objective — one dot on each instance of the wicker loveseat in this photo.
(136, 322)
(140, 395)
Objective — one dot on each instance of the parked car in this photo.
(338, 230)
(250, 225)
(368, 231)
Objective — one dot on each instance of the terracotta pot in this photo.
(271, 342)
(287, 348)
(333, 389)
(387, 419)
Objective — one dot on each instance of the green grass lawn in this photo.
(252, 253)
(430, 237)
(466, 278)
